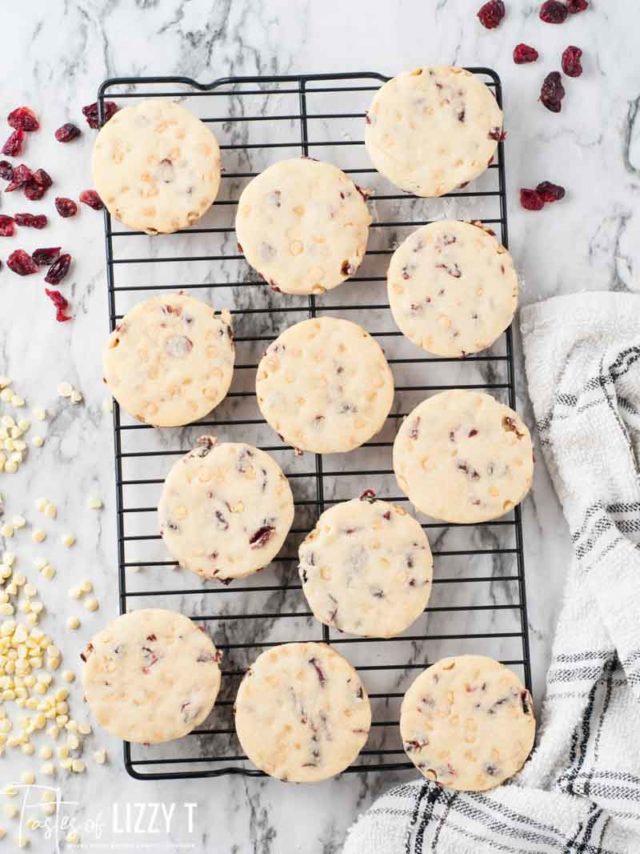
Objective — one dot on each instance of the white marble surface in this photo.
(53, 57)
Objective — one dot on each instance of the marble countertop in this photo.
(54, 60)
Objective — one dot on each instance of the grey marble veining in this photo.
(54, 60)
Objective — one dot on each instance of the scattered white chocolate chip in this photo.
(28, 778)
(94, 503)
(100, 756)
(65, 389)
(68, 676)
(39, 413)
(92, 604)
(18, 521)
(86, 586)
(38, 535)
(76, 592)
(68, 540)
(78, 766)
(73, 623)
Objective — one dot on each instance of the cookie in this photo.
(302, 713)
(150, 676)
(169, 361)
(461, 456)
(467, 723)
(225, 509)
(431, 130)
(303, 226)
(453, 288)
(156, 166)
(366, 568)
(325, 386)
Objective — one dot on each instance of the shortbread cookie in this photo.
(433, 129)
(303, 225)
(302, 713)
(467, 723)
(156, 166)
(225, 509)
(461, 456)
(151, 676)
(366, 568)
(325, 386)
(169, 361)
(452, 287)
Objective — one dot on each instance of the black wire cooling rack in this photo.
(478, 599)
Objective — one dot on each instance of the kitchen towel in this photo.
(580, 791)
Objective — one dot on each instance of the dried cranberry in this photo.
(13, 145)
(21, 174)
(531, 200)
(33, 191)
(575, 6)
(58, 270)
(92, 199)
(550, 192)
(45, 256)
(491, 14)
(497, 134)
(90, 112)
(552, 92)
(21, 263)
(23, 118)
(6, 170)
(42, 178)
(571, 61)
(553, 12)
(67, 132)
(7, 226)
(523, 53)
(60, 303)
(66, 207)
(30, 221)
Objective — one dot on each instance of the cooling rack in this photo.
(478, 601)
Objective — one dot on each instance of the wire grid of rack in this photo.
(478, 601)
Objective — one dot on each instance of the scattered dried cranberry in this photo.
(571, 61)
(553, 12)
(7, 226)
(531, 200)
(38, 221)
(491, 14)
(23, 118)
(45, 256)
(58, 270)
(67, 132)
(42, 178)
(498, 134)
(523, 53)
(550, 192)
(66, 207)
(552, 92)
(92, 199)
(575, 6)
(60, 303)
(90, 112)
(13, 145)
(6, 170)
(21, 263)
(21, 174)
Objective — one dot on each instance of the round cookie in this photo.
(225, 509)
(169, 361)
(302, 713)
(366, 568)
(150, 676)
(156, 166)
(467, 723)
(431, 130)
(461, 456)
(452, 288)
(325, 386)
(303, 225)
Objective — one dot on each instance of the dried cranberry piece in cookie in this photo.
(21, 174)
(523, 53)
(91, 114)
(46, 255)
(6, 170)
(67, 132)
(13, 145)
(66, 207)
(571, 61)
(531, 200)
(575, 6)
(7, 226)
(552, 92)
(60, 303)
(497, 134)
(92, 199)
(23, 118)
(262, 536)
(553, 12)
(21, 263)
(58, 270)
(29, 220)
(491, 14)
(550, 192)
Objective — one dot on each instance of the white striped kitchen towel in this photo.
(580, 791)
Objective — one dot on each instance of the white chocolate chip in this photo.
(65, 389)
(73, 623)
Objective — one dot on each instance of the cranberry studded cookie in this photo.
(169, 361)
(156, 166)
(467, 723)
(432, 129)
(302, 713)
(452, 287)
(324, 385)
(225, 509)
(303, 225)
(366, 568)
(461, 456)
(151, 676)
